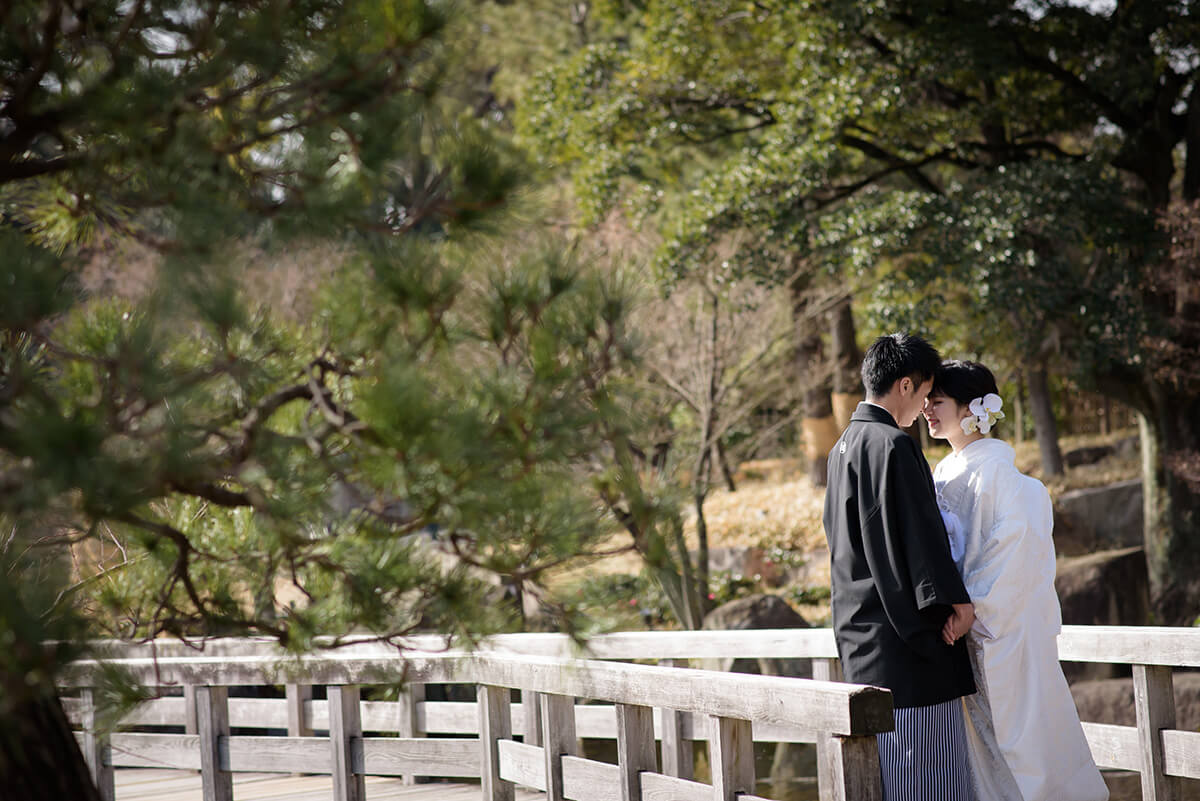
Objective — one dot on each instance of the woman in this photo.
(1023, 731)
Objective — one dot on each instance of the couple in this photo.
(943, 591)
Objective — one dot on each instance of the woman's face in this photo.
(944, 415)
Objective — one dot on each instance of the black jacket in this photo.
(892, 574)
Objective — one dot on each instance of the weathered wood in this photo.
(635, 748)
(1113, 746)
(531, 717)
(1154, 702)
(191, 723)
(558, 739)
(406, 717)
(1181, 753)
(826, 670)
(278, 755)
(657, 787)
(677, 756)
(522, 764)
(588, 780)
(855, 769)
(345, 725)
(495, 728)
(390, 756)
(730, 757)
(137, 750)
(95, 747)
(1135, 645)
(212, 725)
(298, 697)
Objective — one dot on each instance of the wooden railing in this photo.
(546, 664)
(722, 708)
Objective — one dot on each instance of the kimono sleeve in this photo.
(906, 546)
(1011, 582)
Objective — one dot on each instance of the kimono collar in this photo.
(987, 449)
(870, 413)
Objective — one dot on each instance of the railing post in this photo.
(731, 757)
(854, 769)
(826, 670)
(212, 725)
(495, 724)
(531, 711)
(96, 748)
(411, 695)
(558, 739)
(299, 699)
(635, 748)
(677, 756)
(345, 726)
(1154, 700)
(189, 707)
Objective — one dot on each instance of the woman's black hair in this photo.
(896, 356)
(963, 381)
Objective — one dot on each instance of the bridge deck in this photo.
(151, 784)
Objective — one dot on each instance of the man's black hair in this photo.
(896, 356)
(963, 381)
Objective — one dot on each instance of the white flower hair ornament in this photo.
(985, 412)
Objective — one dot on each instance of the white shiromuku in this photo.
(1024, 738)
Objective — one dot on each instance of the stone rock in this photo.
(1111, 701)
(760, 611)
(1109, 588)
(1099, 518)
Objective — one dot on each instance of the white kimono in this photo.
(1023, 731)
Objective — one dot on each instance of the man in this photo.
(899, 605)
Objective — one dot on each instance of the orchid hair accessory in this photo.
(985, 412)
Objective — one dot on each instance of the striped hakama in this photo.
(925, 758)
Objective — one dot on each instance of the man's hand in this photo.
(959, 623)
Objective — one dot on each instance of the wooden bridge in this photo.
(513, 748)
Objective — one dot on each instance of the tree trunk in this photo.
(39, 757)
(1044, 425)
(847, 363)
(818, 426)
(1170, 434)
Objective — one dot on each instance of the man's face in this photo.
(912, 400)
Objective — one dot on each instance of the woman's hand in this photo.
(959, 623)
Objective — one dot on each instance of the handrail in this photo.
(1145, 645)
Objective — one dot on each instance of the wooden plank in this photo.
(391, 756)
(495, 728)
(297, 698)
(1178, 646)
(345, 725)
(522, 764)
(677, 755)
(1134, 645)
(95, 747)
(1154, 702)
(558, 739)
(278, 755)
(589, 780)
(212, 726)
(826, 670)
(635, 748)
(730, 757)
(1113, 746)
(1181, 753)
(657, 787)
(855, 769)
(137, 750)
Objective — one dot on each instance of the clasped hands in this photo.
(959, 623)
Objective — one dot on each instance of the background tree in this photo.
(844, 134)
